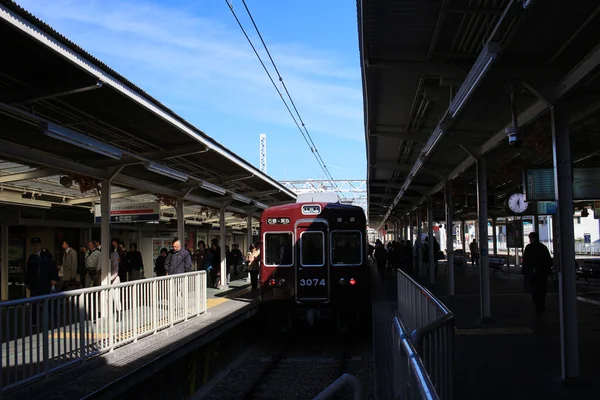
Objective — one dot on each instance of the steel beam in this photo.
(27, 155)
(450, 237)
(47, 94)
(105, 232)
(93, 199)
(4, 260)
(23, 176)
(430, 242)
(410, 136)
(565, 234)
(180, 222)
(224, 285)
(482, 216)
(419, 243)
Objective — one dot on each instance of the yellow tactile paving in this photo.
(215, 302)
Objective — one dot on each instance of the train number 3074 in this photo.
(312, 282)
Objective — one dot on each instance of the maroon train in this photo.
(314, 261)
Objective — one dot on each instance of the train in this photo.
(314, 263)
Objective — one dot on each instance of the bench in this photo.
(496, 263)
(589, 269)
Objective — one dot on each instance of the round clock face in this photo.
(517, 203)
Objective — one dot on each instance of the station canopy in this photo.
(438, 77)
(66, 117)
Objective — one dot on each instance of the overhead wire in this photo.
(305, 134)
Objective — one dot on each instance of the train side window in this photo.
(278, 249)
(313, 249)
(346, 248)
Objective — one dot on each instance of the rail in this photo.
(411, 380)
(42, 335)
(339, 384)
(431, 327)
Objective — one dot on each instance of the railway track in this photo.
(299, 366)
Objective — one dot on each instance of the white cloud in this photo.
(210, 64)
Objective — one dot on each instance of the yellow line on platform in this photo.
(493, 331)
(215, 302)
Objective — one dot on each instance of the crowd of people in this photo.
(75, 270)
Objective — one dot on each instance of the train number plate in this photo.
(312, 282)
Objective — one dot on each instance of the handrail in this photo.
(44, 334)
(338, 384)
(431, 324)
(419, 379)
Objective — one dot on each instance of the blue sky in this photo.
(192, 56)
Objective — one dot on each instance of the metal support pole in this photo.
(565, 234)
(463, 239)
(180, 222)
(495, 236)
(105, 197)
(430, 246)
(419, 243)
(482, 210)
(249, 237)
(450, 237)
(4, 260)
(223, 230)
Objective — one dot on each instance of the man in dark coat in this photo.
(179, 261)
(537, 265)
(42, 274)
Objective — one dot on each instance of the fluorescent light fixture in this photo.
(435, 137)
(480, 67)
(80, 140)
(241, 198)
(213, 188)
(261, 205)
(166, 171)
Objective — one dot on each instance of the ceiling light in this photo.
(166, 171)
(80, 140)
(213, 188)
(241, 198)
(261, 205)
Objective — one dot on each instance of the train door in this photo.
(312, 272)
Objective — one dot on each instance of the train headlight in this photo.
(342, 281)
(272, 282)
(281, 282)
(352, 281)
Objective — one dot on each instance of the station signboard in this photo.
(546, 208)
(540, 184)
(130, 212)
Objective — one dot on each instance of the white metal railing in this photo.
(587, 248)
(41, 335)
(430, 325)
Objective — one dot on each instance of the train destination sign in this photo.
(540, 184)
(278, 221)
(130, 212)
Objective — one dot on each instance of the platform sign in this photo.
(130, 212)
(514, 235)
(546, 208)
(587, 238)
(540, 184)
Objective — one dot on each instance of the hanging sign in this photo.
(130, 212)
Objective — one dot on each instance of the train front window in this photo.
(313, 253)
(346, 248)
(278, 249)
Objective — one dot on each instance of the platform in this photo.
(518, 355)
(111, 374)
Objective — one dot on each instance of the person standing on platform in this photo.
(474, 247)
(179, 261)
(71, 277)
(92, 266)
(537, 266)
(42, 274)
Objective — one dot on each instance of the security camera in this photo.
(514, 136)
(66, 181)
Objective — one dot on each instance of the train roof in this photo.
(295, 207)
